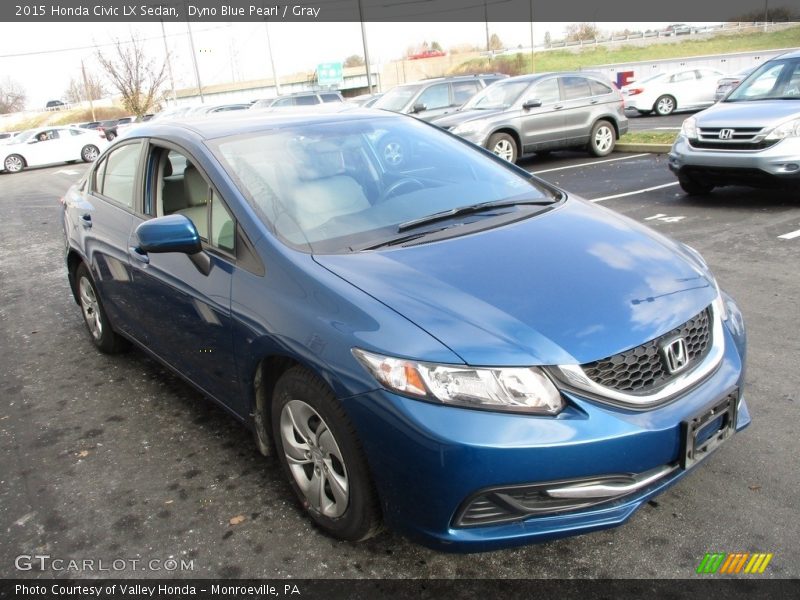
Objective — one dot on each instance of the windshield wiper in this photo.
(395, 241)
(467, 210)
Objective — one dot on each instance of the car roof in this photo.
(453, 78)
(209, 127)
(790, 54)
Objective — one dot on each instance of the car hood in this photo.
(572, 285)
(755, 113)
(462, 116)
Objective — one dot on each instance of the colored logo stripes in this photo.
(734, 563)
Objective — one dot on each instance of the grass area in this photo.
(565, 60)
(649, 137)
(66, 117)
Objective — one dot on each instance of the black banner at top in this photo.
(398, 10)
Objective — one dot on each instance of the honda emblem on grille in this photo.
(725, 134)
(676, 355)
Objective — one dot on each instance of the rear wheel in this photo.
(504, 146)
(602, 139)
(89, 153)
(14, 163)
(94, 316)
(665, 105)
(693, 187)
(322, 457)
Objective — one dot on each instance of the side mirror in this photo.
(173, 233)
(418, 108)
(535, 103)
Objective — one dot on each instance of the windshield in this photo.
(777, 79)
(338, 186)
(497, 95)
(397, 98)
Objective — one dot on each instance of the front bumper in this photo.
(777, 165)
(429, 460)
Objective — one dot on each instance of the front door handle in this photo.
(139, 255)
(558, 107)
(86, 220)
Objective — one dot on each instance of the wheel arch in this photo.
(610, 119)
(22, 156)
(73, 260)
(513, 133)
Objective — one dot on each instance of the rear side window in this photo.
(116, 177)
(576, 87)
(682, 77)
(305, 100)
(599, 88)
(464, 90)
(331, 98)
(284, 102)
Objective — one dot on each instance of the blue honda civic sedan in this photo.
(425, 336)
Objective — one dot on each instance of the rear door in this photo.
(578, 108)
(185, 312)
(105, 224)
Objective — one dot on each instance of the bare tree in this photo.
(12, 96)
(77, 91)
(354, 60)
(137, 77)
(495, 43)
(582, 32)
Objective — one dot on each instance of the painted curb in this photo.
(653, 148)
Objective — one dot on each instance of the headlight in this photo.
(689, 128)
(785, 130)
(513, 389)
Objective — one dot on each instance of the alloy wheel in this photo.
(504, 150)
(91, 309)
(14, 164)
(603, 139)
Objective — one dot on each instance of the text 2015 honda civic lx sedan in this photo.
(454, 349)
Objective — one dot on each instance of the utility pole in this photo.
(533, 64)
(86, 89)
(364, 42)
(272, 61)
(194, 58)
(169, 64)
(486, 21)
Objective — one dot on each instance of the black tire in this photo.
(644, 113)
(693, 187)
(665, 105)
(356, 518)
(14, 163)
(97, 324)
(504, 146)
(89, 153)
(602, 139)
(110, 136)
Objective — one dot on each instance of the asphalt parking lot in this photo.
(114, 458)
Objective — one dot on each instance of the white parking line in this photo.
(633, 193)
(590, 164)
(790, 236)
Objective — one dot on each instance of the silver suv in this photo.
(299, 99)
(751, 137)
(542, 112)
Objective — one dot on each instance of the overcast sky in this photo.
(42, 57)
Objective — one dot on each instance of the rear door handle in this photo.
(594, 101)
(138, 255)
(86, 220)
(558, 107)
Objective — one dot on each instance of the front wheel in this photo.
(602, 139)
(692, 187)
(322, 457)
(103, 337)
(14, 163)
(504, 146)
(89, 153)
(665, 105)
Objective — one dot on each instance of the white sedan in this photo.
(667, 92)
(49, 145)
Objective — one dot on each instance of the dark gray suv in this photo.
(432, 98)
(542, 112)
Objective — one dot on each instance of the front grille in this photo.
(739, 134)
(642, 370)
(720, 145)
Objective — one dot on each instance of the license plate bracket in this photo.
(703, 433)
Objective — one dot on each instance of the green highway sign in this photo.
(329, 73)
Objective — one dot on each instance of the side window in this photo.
(223, 227)
(546, 91)
(75, 132)
(305, 100)
(682, 77)
(284, 102)
(464, 90)
(119, 174)
(436, 96)
(331, 98)
(599, 88)
(576, 87)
